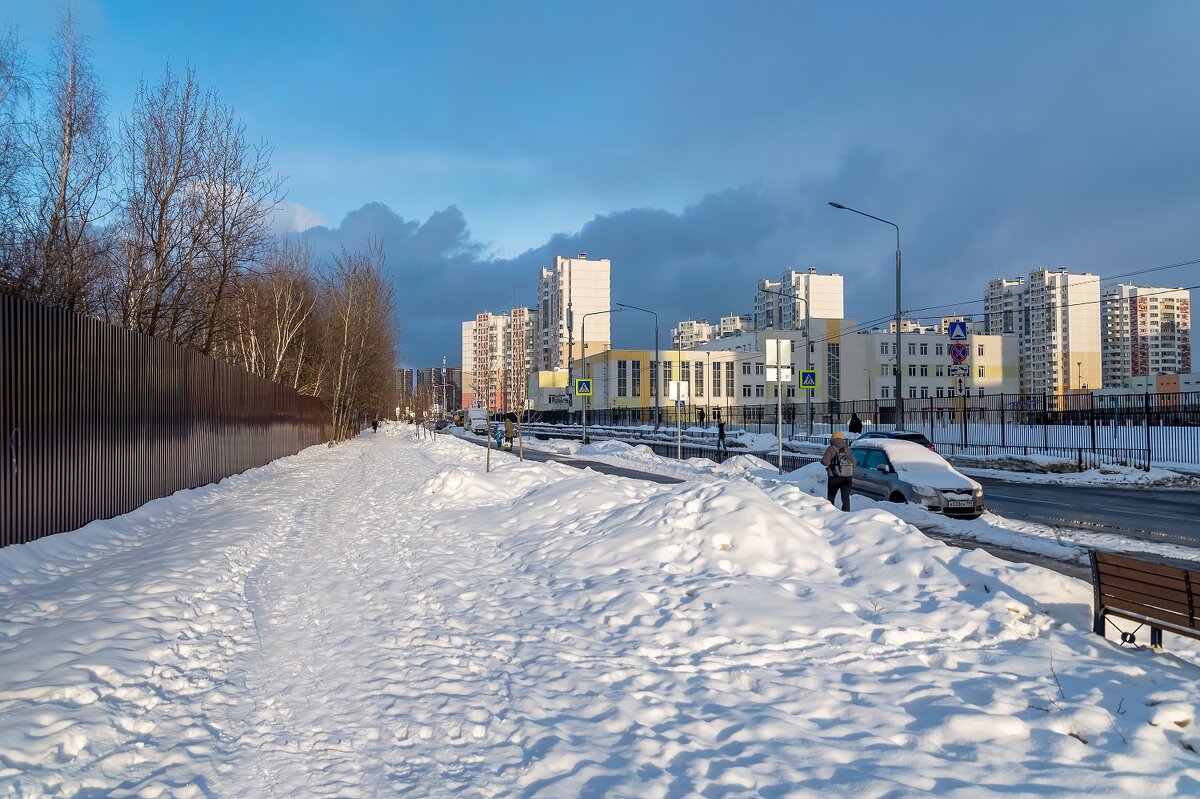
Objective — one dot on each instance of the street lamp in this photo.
(899, 393)
(587, 366)
(657, 365)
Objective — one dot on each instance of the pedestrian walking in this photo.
(855, 425)
(700, 416)
(839, 465)
(508, 433)
(375, 425)
(721, 438)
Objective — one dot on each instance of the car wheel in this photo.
(897, 497)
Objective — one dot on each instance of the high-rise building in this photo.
(439, 386)
(579, 286)
(823, 294)
(1061, 351)
(468, 364)
(1147, 331)
(501, 354)
(767, 306)
(1004, 307)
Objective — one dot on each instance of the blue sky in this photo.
(697, 144)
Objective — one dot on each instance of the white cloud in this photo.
(294, 218)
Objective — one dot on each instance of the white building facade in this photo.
(582, 286)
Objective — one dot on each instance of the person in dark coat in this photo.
(855, 425)
(839, 465)
(721, 437)
(375, 425)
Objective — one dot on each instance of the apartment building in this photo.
(439, 387)
(467, 398)
(691, 333)
(823, 294)
(767, 307)
(1055, 315)
(519, 357)
(735, 324)
(1146, 331)
(579, 285)
(500, 350)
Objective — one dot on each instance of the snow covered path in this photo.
(385, 619)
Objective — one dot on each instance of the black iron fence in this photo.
(1133, 429)
(97, 420)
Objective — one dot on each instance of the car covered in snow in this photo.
(900, 435)
(895, 470)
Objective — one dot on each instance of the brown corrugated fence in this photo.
(97, 420)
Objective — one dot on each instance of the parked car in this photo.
(905, 471)
(476, 420)
(901, 435)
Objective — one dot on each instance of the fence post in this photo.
(1045, 422)
(1146, 421)
(1002, 423)
(1092, 423)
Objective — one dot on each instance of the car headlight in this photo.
(923, 491)
(977, 492)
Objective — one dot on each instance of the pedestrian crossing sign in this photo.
(958, 330)
(583, 387)
(808, 379)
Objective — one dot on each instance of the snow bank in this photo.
(385, 618)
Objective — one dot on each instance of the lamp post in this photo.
(587, 366)
(807, 348)
(657, 365)
(899, 393)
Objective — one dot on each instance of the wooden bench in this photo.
(1150, 590)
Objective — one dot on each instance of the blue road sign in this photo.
(583, 387)
(808, 379)
(958, 331)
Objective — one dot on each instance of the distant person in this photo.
(375, 425)
(855, 425)
(499, 436)
(839, 465)
(508, 434)
(721, 438)
(700, 417)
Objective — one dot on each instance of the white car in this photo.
(901, 471)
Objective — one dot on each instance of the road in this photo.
(1162, 515)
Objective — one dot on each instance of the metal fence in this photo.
(1133, 429)
(98, 420)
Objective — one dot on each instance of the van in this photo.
(476, 420)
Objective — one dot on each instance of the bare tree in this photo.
(241, 194)
(165, 226)
(360, 343)
(273, 312)
(12, 84)
(68, 158)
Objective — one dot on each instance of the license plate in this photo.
(959, 503)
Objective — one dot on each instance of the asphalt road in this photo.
(1162, 515)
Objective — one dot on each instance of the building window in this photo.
(924, 392)
(622, 378)
(883, 348)
(939, 371)
(924, 370)
(746, 390)
(980, 391)
(791, 392)
(980, 350)
(729, 379)
(924, 349)
(941, 392)
(654, 378)
(758, 368)
(699, 379)
(981, 371)
(912, 392)
(912, 370)
(885, 370)
(760, 391)
(746, 368)
(636, 384)
(938, 349)
(884, 392)
(912, 349)
(685, 371)
(716, 379)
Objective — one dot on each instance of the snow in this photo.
(386, 618)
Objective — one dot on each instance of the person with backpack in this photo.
(839, 464)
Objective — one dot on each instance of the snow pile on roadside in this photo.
(385, 618)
